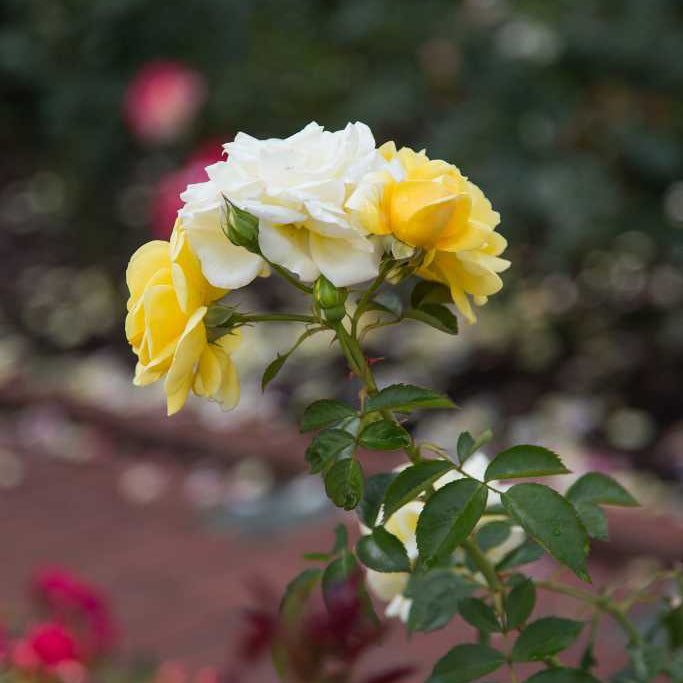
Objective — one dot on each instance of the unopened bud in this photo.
(242, 228)
(327, 295)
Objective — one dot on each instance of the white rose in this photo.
(297, 187)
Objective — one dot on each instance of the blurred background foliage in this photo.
(569, 115)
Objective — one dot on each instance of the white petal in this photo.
(341, 263)
(224, 265)
(289, 247)
(271, 212)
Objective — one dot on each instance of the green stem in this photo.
(367, 295)
(598, 603)
(484, 566)
(359, 365)
(290, 278)
(278, 318)
(489, 571)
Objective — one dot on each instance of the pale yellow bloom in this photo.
(429, 204)
(165, 325)
(390, 586)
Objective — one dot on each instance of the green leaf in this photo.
(595, 487)
(562, 675)
(477, 613)
(382, 552)
(524, 461)
(676, 666)
(520, 603)
(673, 621)
(411, 482)
(384, 436)
(435, 315)
(324, 413)
(523, 554)
(648, 660)
(326, 447)
(466, 663)
(435, 596)
(337, 573)
(448, 519)
(552, 521)
(493, 534)
(405, 397)
(344, 483)
(373, 495)
(297, 592)
(545, 638)
(467, 445)
(429, 292)
(593, 518)
(272, 369)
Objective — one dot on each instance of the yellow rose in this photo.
(429, 204)
(165, 325)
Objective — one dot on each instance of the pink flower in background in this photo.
(166, 199)
(162, 100)
(3, 644)
(68, 598)
(45, 646)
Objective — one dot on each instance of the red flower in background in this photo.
(71, 600)
(318, 641)
(162, 99)
(166, 199)
(45, 646)
(3, 644)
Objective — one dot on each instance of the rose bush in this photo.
(442, 537)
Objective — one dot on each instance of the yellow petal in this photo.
(135, 325)
(230, 342)
(175, 400)
(420, 212)
(164, 320)
(388, 150)
(188, 350)
(228, 394)
(143, 264)
(208, 378)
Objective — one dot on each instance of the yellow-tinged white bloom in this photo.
(429, 204)
(297, 188)
(390, 586)
(165, 325)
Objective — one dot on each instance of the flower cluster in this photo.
(318, 206)
(75, 630)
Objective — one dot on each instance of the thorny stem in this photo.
(359, 365)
